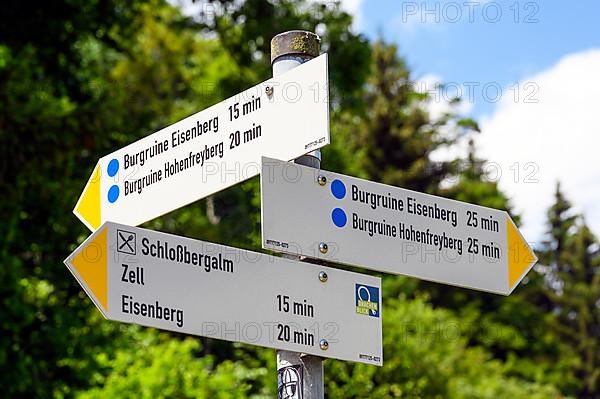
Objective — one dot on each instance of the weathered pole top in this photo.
(295, 42)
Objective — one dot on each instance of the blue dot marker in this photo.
(338, 189)
(339, 217)
(113, 167)
(113, 193)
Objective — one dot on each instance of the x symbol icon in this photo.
(126, 241)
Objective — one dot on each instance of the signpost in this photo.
(303, 310)
(344, 219)
(211, 150)
(154, 279)
(299, 376)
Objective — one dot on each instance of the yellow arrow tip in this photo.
(88, 208)
(90, 261)
(520, 256)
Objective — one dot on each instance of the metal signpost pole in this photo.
(298, 376)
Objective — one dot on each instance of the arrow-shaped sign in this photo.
(284, 117)
(140, 276)
(344, 219)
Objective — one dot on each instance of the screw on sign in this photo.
(289, 383)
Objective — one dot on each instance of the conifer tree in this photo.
(392, 138)
(572, 288)
(476, 185)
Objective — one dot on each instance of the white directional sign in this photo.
(390, 229)
(139, 276)
(283, 117)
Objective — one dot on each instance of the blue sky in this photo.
(476, 49)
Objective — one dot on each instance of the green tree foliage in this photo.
(571, 257)
(426, 355)
(511, 328)
(47, 336)
(75, 81)
(162, 367)
(80, 79)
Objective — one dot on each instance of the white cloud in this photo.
(440, 98)
(438, 105)
(557, 138)
(354, 8)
